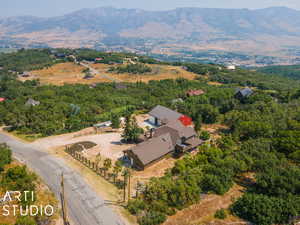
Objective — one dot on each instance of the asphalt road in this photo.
(85, 207)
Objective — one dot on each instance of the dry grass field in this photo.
(71, 73)
(160, 72)
(63, 73)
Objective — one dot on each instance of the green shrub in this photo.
(25, 221)
(220, 214)
(5, 156)
(152, 218)
(132, 68)
(205, 135)
(265, 210)
(135, 206)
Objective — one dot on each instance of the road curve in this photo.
(85, 207)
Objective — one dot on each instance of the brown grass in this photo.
(203, 212)
(62, 73)
(215, 83)
(160, 72)
(214, 129)
(71, 73)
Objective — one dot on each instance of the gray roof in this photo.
(184, 131)
(32, 102)
(174, 134)
(177, 131)
(164, 114)
(246, 92)
(153, 149)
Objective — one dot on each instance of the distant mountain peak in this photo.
(140, 29)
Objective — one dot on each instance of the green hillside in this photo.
(286, 71)
(262, 139)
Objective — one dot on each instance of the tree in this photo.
(125, 175)
(131, 131)
(98, 159)
(265, 210)
(117, 169)
(115, 120)
(205, 135)
(129, 183)
(135, 206)
(25, 221)
(106, 165)
(198, 123)
(220, 214)
(5, 156)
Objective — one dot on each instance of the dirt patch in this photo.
(62, 73)
(71, 73)
(80, 146)
(215, 83)
(160, 72)
(107, 144)
(215, 130)
(203, 212)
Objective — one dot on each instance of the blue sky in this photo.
(47, 8)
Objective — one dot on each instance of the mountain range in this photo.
(271, 31)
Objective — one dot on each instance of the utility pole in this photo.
(63, 201)
(124, 189)
(129, 192)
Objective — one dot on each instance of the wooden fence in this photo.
(85, 161)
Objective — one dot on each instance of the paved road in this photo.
(85, 207)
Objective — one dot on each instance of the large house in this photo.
(243, 93)
(172, 138)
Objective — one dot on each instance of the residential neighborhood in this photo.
(112, 138)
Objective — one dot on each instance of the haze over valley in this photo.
(245, 37)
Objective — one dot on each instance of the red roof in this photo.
(195, 92)
(2, 99)
(185, 120)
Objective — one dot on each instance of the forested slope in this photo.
(263, 136)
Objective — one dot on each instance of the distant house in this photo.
(104, 124)
(60, 55)
(25, 74)
(243, 93)
(2, 99)
(98, 59)
(198, 92)
(94, 85)
(177, 100)
(231, 67)
(32, 102)
(161, 115)
(173, 138)
(120, 86)
(88, 76)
